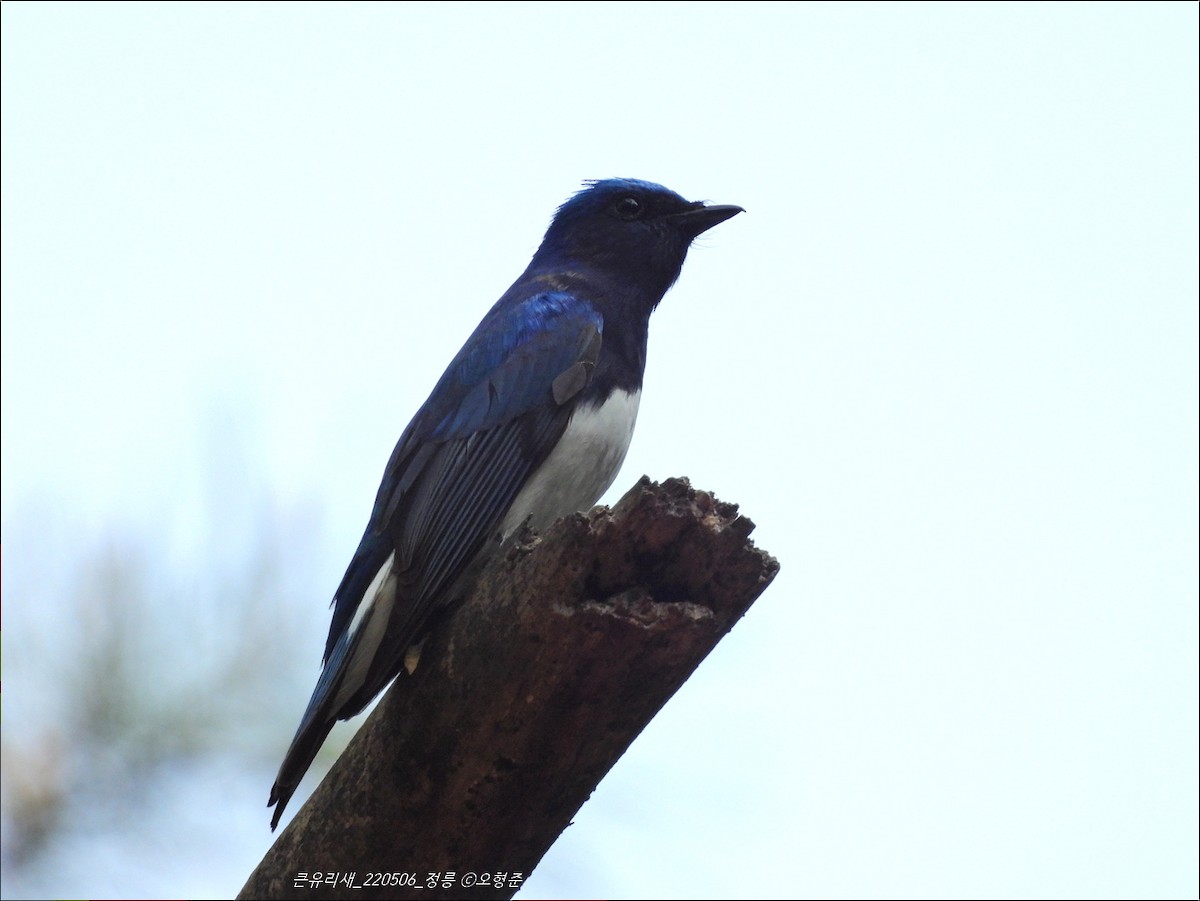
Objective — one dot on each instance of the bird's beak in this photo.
(702, 218)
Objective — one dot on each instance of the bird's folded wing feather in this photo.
(494, 416)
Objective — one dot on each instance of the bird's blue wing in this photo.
(509, 365)
(495, 414)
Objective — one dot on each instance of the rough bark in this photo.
(526, 695)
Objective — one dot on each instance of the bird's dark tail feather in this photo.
(318, 719)
(299, 758)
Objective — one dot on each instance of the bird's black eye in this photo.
(628, 208)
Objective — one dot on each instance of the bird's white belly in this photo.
(582, 465)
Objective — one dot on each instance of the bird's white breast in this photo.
(582, 465)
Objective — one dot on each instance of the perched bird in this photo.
(530, 422)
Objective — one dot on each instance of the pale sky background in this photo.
(947, 362)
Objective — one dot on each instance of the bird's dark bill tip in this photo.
(702, 218)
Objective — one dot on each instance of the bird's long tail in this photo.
(350, 678)
(299, 758)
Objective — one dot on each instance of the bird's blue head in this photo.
(635, 232)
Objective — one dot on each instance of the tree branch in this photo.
(526, 695)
